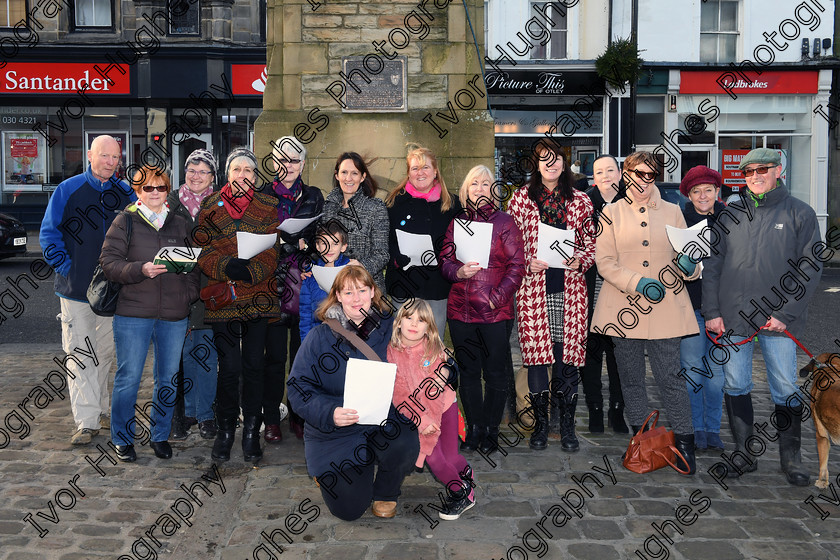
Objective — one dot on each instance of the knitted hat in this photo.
(238, 153)
(761, 155)
(699, 175)
(202, 156)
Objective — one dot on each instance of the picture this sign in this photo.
(543, 82)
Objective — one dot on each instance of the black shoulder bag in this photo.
(102, 294)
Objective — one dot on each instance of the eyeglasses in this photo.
(200, 173)
(150, 188)
(647, 176)
(294, 161)
(759, 170)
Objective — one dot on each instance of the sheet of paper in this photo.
(178, 259)
(472, 242)
(295, 225)
(369, 388)
(555, 245)
(415, 246)
(325, 275)
(252, 244)
(690, 241)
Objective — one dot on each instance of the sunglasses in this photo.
(294, 161)
(150, 188)
(647, 176)
(759, 170)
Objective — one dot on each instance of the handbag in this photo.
(289, 281)
(102, 294)
(218, 296)
(651, 448)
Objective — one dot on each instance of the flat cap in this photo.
(761, 155)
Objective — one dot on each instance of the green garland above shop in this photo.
(620, 63)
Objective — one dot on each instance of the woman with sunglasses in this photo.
(643, 304)
(295, 199)
(153, 306)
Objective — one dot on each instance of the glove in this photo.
(652, 289)
(237, 269)
(401, 260)
(686, 264)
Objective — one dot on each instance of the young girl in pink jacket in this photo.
(422, 394)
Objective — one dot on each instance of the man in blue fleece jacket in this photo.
(78, 215)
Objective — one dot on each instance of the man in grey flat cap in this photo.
(760, 277)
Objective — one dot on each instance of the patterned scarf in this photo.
(236, 204)
(286, 197)
(432, 196)
(155, 219)
(192, 201)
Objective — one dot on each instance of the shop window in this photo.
(718, 30)
(650, 119)
(555, 19)
(93, 14)
(184, 17)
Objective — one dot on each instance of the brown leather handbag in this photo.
(651, 448)
(218, 296)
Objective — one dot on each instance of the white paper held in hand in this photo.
(472, 242)
(554, 245)
(417, 247)
(325, 275)
(295, 225)
(690, 241)
(252, 244)
(369, 388)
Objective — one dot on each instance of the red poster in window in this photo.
(27, 78)
(24, 147)
(732, 177)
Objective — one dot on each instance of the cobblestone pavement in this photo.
(56, 504)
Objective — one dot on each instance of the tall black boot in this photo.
(739, 409)
(490, 442)
(789, 446)
(539, 408)
(685, 445)
(475, 434)
(225, 435)
(596, 418)
(251, 438)
(615, 417)
(568, 438)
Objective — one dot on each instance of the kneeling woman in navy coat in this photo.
(340, 453)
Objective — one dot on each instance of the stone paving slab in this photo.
(529, 504)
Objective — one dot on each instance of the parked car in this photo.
(12, 237)
(671, 193)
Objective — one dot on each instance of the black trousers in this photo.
(349, 489)
(278, 345)
(596, 346)
(241, 349)
(482, 348)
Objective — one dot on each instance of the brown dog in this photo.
(825, 406)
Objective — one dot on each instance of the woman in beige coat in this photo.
(643, 304)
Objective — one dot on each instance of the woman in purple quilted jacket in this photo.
(480, 308)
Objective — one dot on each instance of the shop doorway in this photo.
(182, 150)
(689, 159)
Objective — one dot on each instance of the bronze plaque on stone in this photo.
(382, 83)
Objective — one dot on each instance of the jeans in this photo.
(276, 341)
(779, 357)
(201, 371)
(241, 348)
(704, 393)
(131, 338)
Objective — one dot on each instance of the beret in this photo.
(761, 155)
(699, 175)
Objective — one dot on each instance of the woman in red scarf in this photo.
(237, 207)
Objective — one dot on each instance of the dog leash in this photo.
(793, 338)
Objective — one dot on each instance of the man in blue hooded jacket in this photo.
(78, 215)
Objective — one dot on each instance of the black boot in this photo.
(225, 434)
(615, 417)
(490, 442)
(475, 434)
(568, 439)
(251, 438)
(789, 444)
(539, 408)
(739, 409)
(685, 445)
(596, 418)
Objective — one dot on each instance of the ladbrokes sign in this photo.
(51, 79)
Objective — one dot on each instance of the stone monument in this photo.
(371, 77)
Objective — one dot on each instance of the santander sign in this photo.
(42, 78)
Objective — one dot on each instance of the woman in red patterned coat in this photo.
(552, 302)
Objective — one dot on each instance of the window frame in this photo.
(11, 25)
(74, 26)
(718, 33)
(548, 47)
(197, 32)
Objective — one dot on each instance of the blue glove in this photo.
(686, 264)
(652, 289)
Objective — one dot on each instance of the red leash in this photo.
(793, 338)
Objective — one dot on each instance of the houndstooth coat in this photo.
(531, 308)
